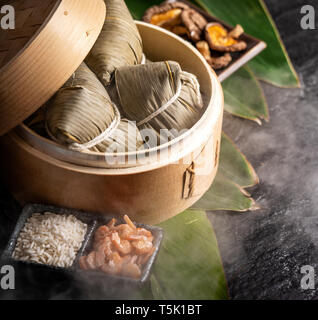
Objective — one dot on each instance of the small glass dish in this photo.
(146, 271)
(31, 209)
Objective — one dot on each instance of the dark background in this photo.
(262, 251)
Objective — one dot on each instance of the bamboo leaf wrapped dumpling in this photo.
(158, 95)
(119, 43)
(81, 114)
(125, 138)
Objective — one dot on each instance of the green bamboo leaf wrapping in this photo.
(273, 64)
(119, 43)
(81, 110)
(189, 264)
(160, 82)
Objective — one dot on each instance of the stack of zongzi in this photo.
(112, 101)
(81, 114)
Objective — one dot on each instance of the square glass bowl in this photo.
(93, 221)
(145, 272)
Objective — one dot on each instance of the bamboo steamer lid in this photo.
(50, 40)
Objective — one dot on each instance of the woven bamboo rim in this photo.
(50, 41)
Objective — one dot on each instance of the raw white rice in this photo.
(50, 239)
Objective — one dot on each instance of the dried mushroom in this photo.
(220, 62)
(165, 15)
(189, 24)
(194, 22)
(220, 40)
(215, 62)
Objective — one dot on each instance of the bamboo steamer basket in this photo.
(153, 185)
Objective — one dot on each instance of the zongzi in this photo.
(125, 138)
(81, 114)
(158, 95)
(119, 43)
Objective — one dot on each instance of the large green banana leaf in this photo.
(234, 165)
(225, 195)
(189, 264)
(244, 96)
(227, 191)
(273, 64)
(138, 7)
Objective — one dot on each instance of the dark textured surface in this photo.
(262, 251)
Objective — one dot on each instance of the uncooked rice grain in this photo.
(50, 239)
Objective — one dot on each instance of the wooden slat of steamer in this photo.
(51, 39)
